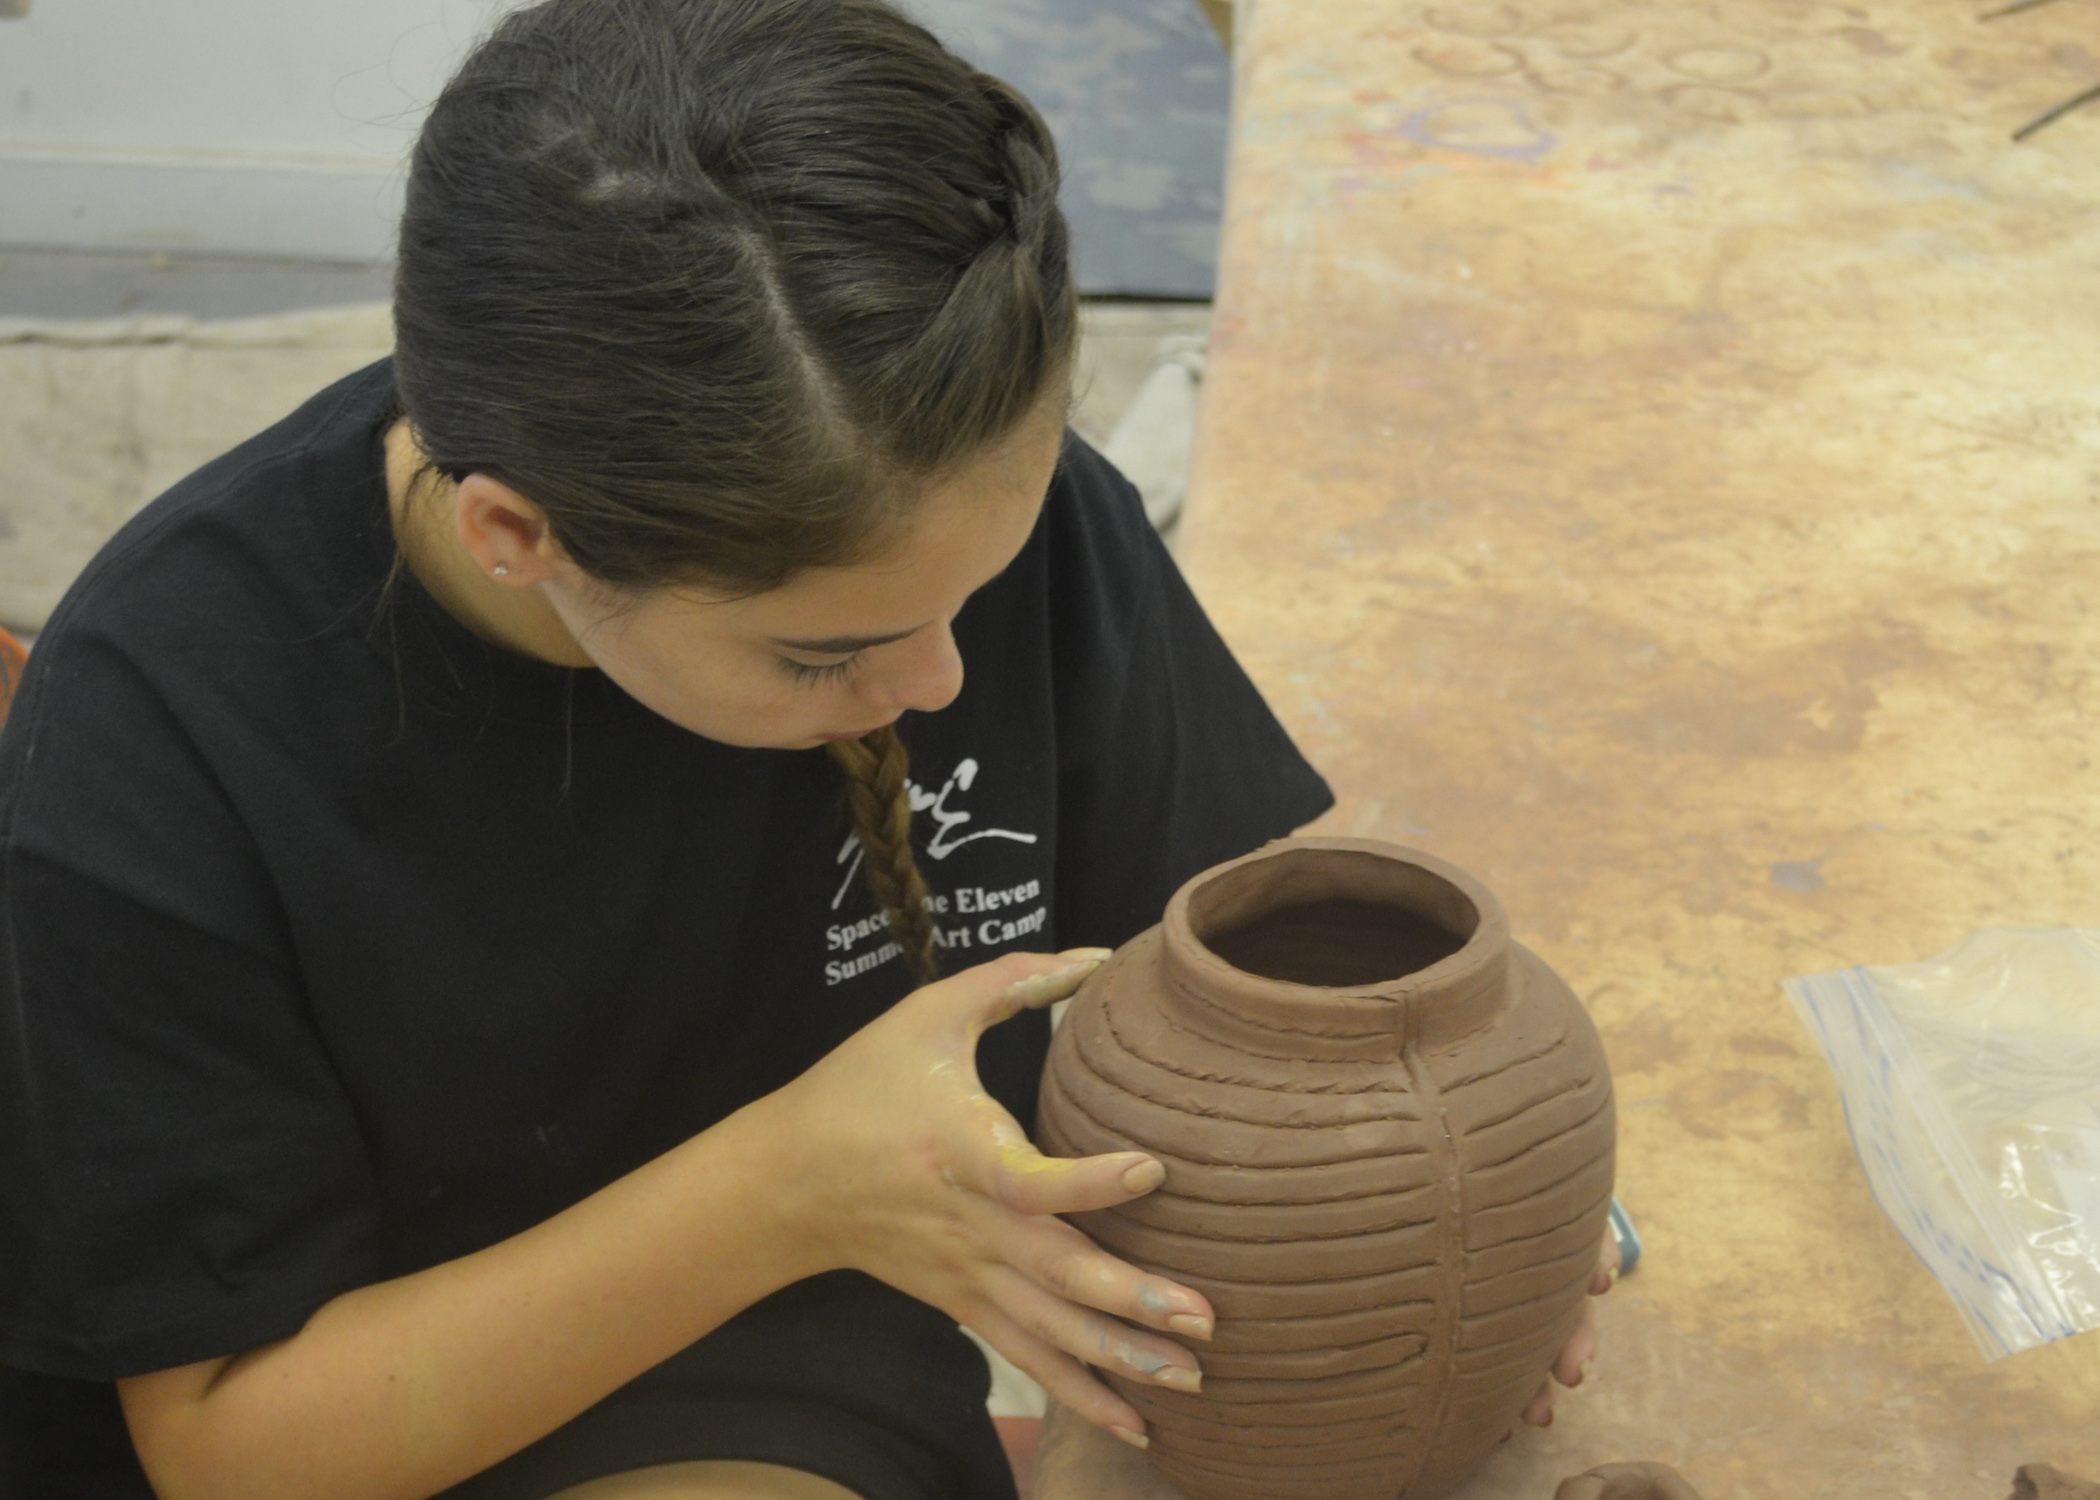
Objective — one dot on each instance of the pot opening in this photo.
(1331, 918)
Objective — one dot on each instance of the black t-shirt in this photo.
(338, 943)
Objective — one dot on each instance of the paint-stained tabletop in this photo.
(1651, 457)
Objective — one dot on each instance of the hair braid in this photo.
(875, 767)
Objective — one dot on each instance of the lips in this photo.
(858, 734)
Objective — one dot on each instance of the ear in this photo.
(507, 535)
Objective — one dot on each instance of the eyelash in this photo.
(808, 676)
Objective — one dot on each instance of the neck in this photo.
(426, 531)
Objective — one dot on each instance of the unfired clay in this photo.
(1388, 1137)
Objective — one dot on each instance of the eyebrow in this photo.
(842, 645)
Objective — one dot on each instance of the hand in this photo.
(905, 1168)
(1627, 1482)
(1078, 1462)
(1581, 1347)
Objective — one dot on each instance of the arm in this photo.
(405, 1387)
(886, 1157)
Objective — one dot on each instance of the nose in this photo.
(924, 671)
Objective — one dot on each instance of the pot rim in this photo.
(1454, 996)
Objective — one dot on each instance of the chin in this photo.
(809, 739)
(751, 738)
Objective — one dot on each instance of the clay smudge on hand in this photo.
(1055, 985)
(1189, 1325)
(1155, 1367)
(1018, 1154)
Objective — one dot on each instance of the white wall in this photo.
(279, 127)
(260, 127)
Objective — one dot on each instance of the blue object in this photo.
(1138, 94)
(1628, 1237)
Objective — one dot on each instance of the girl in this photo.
(472, 1014)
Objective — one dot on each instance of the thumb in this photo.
(993, 992)
(999, 1160)
(1031, 1183)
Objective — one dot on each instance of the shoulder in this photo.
(1102, 561)
(196, 636)
(1078, 585)
(257, 514)
(1092, 515)
(256, 546)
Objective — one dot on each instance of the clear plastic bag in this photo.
(1971, 1086)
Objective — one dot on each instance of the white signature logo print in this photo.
(946, 819)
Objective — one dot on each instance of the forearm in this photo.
(397, 1390)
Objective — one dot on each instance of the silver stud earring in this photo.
(502, 570)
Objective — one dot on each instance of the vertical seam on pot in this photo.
(1443, 1342)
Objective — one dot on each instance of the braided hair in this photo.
(724, 287)
(879, 796)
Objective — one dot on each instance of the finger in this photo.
(1064, 1377)
(1538, 1412)
(1075, 1462)
(1074, 967)
(1665, 1483)
(1092, 1336)
(1581, 1487)
(1068, 1265)
(1577, 1352)
(1644, 1482)
(1637, 1482)
(1609, 1257)
(984, 996)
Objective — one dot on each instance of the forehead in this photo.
(965, 527)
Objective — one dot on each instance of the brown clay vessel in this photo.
(1388, 1136)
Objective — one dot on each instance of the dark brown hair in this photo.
(721, 285)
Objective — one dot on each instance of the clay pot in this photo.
(1388, 1134)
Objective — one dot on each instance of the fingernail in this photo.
(1189, 1326)
(1179, 1378)
(1052, 986)
(1088, 955)
(1144, 1176)
(1135, 1439)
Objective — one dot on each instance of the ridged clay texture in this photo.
(1390, 1172)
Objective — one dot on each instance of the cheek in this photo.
(674, 664)
(723, 695)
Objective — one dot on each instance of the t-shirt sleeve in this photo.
(181, 1173)
(1169, 760)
